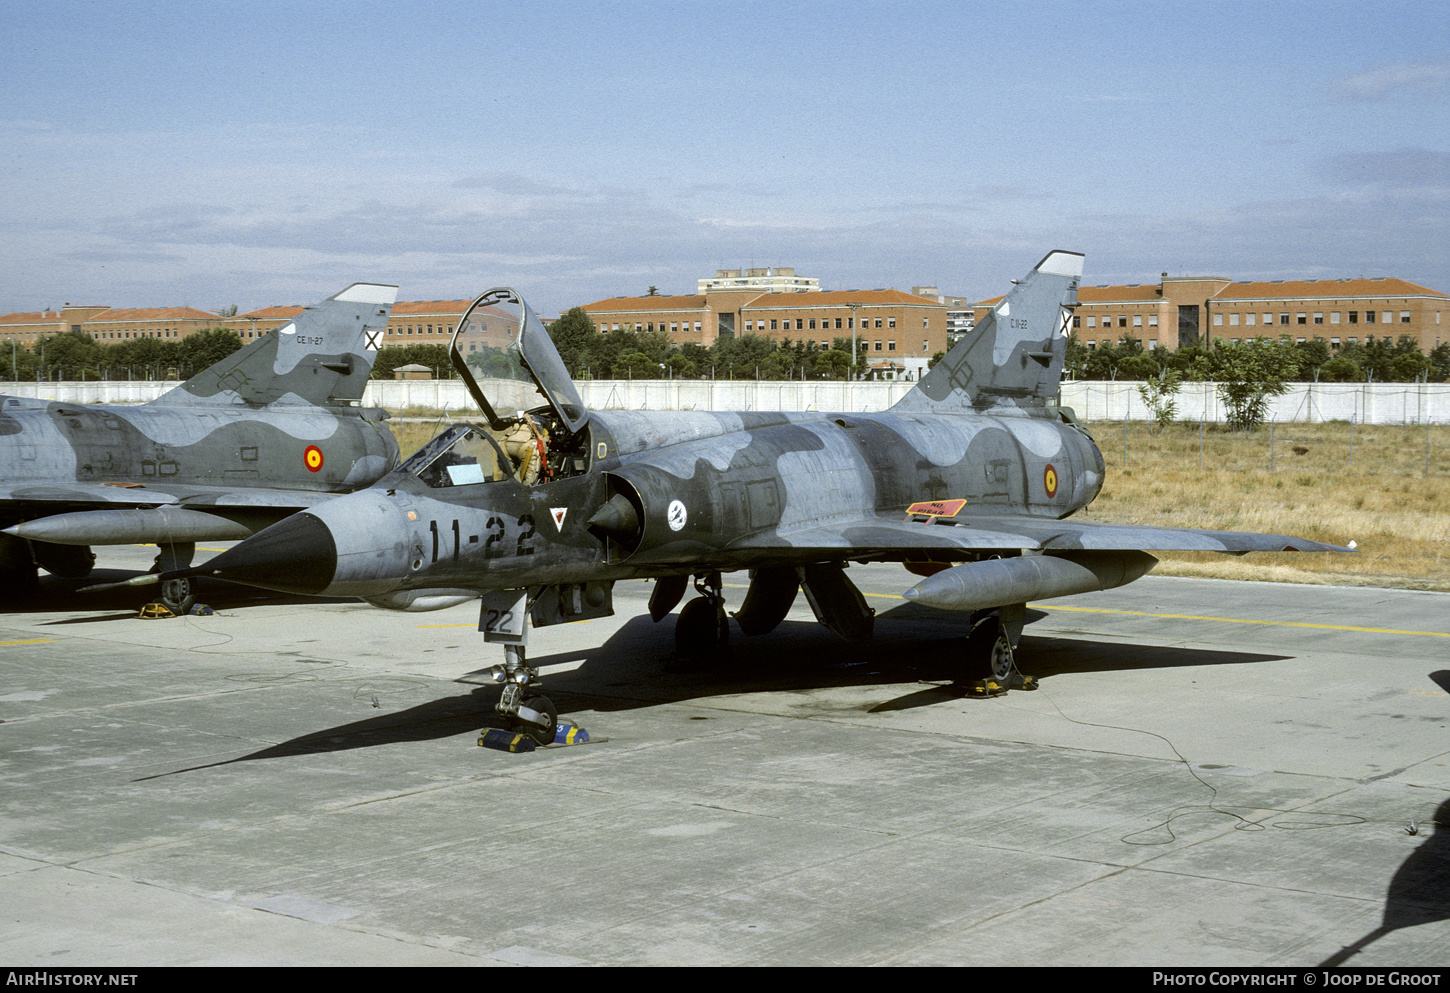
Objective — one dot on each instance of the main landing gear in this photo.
(534, 715)
(991, 652)
(702, 631)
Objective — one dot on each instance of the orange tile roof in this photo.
(630, 304)
(839, 298)
(1104, 294)
(425, 307)
(1300, 289)
(270, 314)
(32, 317)
(152, 314)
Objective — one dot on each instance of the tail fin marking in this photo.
(322, 357)
(1015, 354)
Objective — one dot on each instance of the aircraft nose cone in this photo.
(297, 555)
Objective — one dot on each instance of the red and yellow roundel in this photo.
(312, 458)
(1049, 481)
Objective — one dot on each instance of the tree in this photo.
(204, 348)
(1340, 370)
(1159, 395)
(1141, 366)
(433, 356)
(1248, 374)
(70, 352)
(1440, 362)
(574, 334)
(1312, 355)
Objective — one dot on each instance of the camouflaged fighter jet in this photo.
(270, 430)
(969, 481)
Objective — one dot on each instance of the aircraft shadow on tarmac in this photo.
(55, 594)
(464, 713)
(634, 668)
(1419, 892)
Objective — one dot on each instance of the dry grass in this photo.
(1299, 479)
(1375, 493)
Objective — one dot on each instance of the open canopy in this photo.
(505, 356)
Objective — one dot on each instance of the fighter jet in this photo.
(969, 481)
(270, 430)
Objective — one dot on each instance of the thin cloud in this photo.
(1405, 168)
(1420, 78)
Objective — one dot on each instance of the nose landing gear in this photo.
(535, 716)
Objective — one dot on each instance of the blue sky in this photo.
(212, 153)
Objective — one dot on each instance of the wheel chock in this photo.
(200, 610)
(569, 733)
(506, 741)
(1021, 682)
(985, 688)
(154, 611)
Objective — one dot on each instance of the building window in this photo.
(1249, 319)
(891, 346)
(1268, 320)
(838, 324)
(1334, 317)
(1137, 320)
(1122, 320)
(1233, 320)
(813, 323)
(1092, 322)
(1404, 317)
(878, 328)
(878, 344)
(1319, 318)
(1354, 317)
(1218, 320)
(1152, 320)
(1301, 318)
(772, 325)
(891, 322)
(1283, 318)
(1369, 317)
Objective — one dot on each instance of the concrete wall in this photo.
(1365, 403)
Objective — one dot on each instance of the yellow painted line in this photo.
(1241, 620)
(32, 641)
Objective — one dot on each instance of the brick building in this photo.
(1191, 309)
(901, 330)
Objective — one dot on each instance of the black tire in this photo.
(176, 596)
(989, 652)
(702, 631)
(546, 707)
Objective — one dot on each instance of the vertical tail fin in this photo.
(1015, 354)
(322, 357)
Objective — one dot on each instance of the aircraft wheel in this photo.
(989, 652)
(545, 706)
(176, 596)
(999, 658)
(702, 631)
